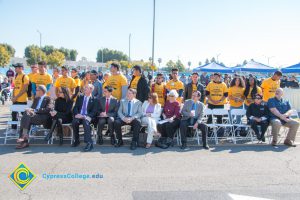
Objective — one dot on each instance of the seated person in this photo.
(108, 109)
(38, 114)
(129, 113)
(258, 115)
(84, 111)
(192, 113)
(62, 113)
(151, 110)
(171, 114)
(280, 116)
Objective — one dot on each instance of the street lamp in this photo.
(129, 47)
(40, 38)
(218, 57)
(153, 34)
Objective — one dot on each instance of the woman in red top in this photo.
(171, 116)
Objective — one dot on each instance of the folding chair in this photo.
(243, 124)
(34, 129)
(19, 109)
(226, 126)
(212, 126)
(69, 126)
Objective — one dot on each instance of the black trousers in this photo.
(184, 127)
(105, 120)
(168, 129)
(86, 127)
(14, 115)
(263, 124)
(135, 126)
(57, 122)
(219, 117)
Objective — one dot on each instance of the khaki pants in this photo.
(292, 125)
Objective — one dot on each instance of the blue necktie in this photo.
(128, 108)
(83, 110)
(194, 106)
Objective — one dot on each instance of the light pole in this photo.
(40, 38)
(102, 54)
(153, 34)
(129, 47)
(218, 57)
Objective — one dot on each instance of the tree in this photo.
(56, 58)
(170, 64)
(34, 54)
(159, 61)
(213, 59)
(4, 56)
(245, 62)
(66, 52)
(73, 54)
(206, 61)
(9, 48)
(200, 63)
(48, 49)
(189, 64)
(109, 55)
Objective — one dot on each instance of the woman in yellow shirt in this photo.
(251, 90)
(236, 95)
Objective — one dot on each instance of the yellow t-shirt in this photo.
(161, 92)
(117, 82)
(194, 87)
(67, 82)
(175, 85)
(77, 82)
(42, 79)
(30, 75)
(249, 99)
(83, 84)
(236, 92)
(134, 82)
(19, 82)
(216, 92)
(269, 87)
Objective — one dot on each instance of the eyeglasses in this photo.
(258, 98)
(171, 96)
(175, 73)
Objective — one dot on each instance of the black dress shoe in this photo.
(112, 140)
(133, 145)
(119, 143)
(100, 140)
(205, 147)
(183, 146)
(88, 147)
(61, 141)
(75, 143)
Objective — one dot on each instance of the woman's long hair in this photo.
(66, 93)
(254, 90)
(232, 83)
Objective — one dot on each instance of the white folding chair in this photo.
(10, 135)
(34, 129)
(228, 127)
(243, 124)
(212, 126)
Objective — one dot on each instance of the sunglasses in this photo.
(258, 98)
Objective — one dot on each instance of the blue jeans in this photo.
(236, 118)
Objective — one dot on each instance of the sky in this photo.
(189, 30)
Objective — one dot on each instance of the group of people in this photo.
(163, 107)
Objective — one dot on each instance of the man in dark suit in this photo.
(192, 113)
(129, 113)
(108, 110)
(84, 111)
(38, 114)
(193, 86)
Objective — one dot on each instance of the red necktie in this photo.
(106, 105)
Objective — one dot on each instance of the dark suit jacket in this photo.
(142, 89)
(91, 107)
(112, 108)
(45, 107)
(188, 91)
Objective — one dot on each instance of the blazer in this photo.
(136, 109)
(45, 107)
(91, 107)
(112, 108)
(187, 107)
(188, 91)
(157, 110)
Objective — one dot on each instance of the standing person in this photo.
(195, 85)
(270, 85)
(192, 113)
(5, 88)
(108, 109)
(293, 82)
(216, 92)
(118, 81)
(204, 79)
(34, 70)
(251, 90)
(258, 115)
(19, 94)
(129, 113)
(159, 87)
(151, 112)
(236, 95)
(175, 84)
(280, 116)
(62, 113)
(139, 82)
(74, 75)
(65, 81)
(85, 80)
(171, 115)
(55, 76)
(105, 77)
(10, 74)
(97, 92)
(41, 78)
(183, 79)
(84, 111)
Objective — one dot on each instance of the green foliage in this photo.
(109, 55)
(73, 54)
(213, 60)
(34, 54)
(56, 58)
(48, 49)
(200, 63)
(178, 64)
(9, 48)
(206, 61)
(4, 56)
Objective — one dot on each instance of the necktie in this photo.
(128, 108)
(106, 105)
(194, 106)
(83, 110)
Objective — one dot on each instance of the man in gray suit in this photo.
(192, 113)
(108, 109)
(129, 113)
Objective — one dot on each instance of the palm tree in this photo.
(189, 64)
